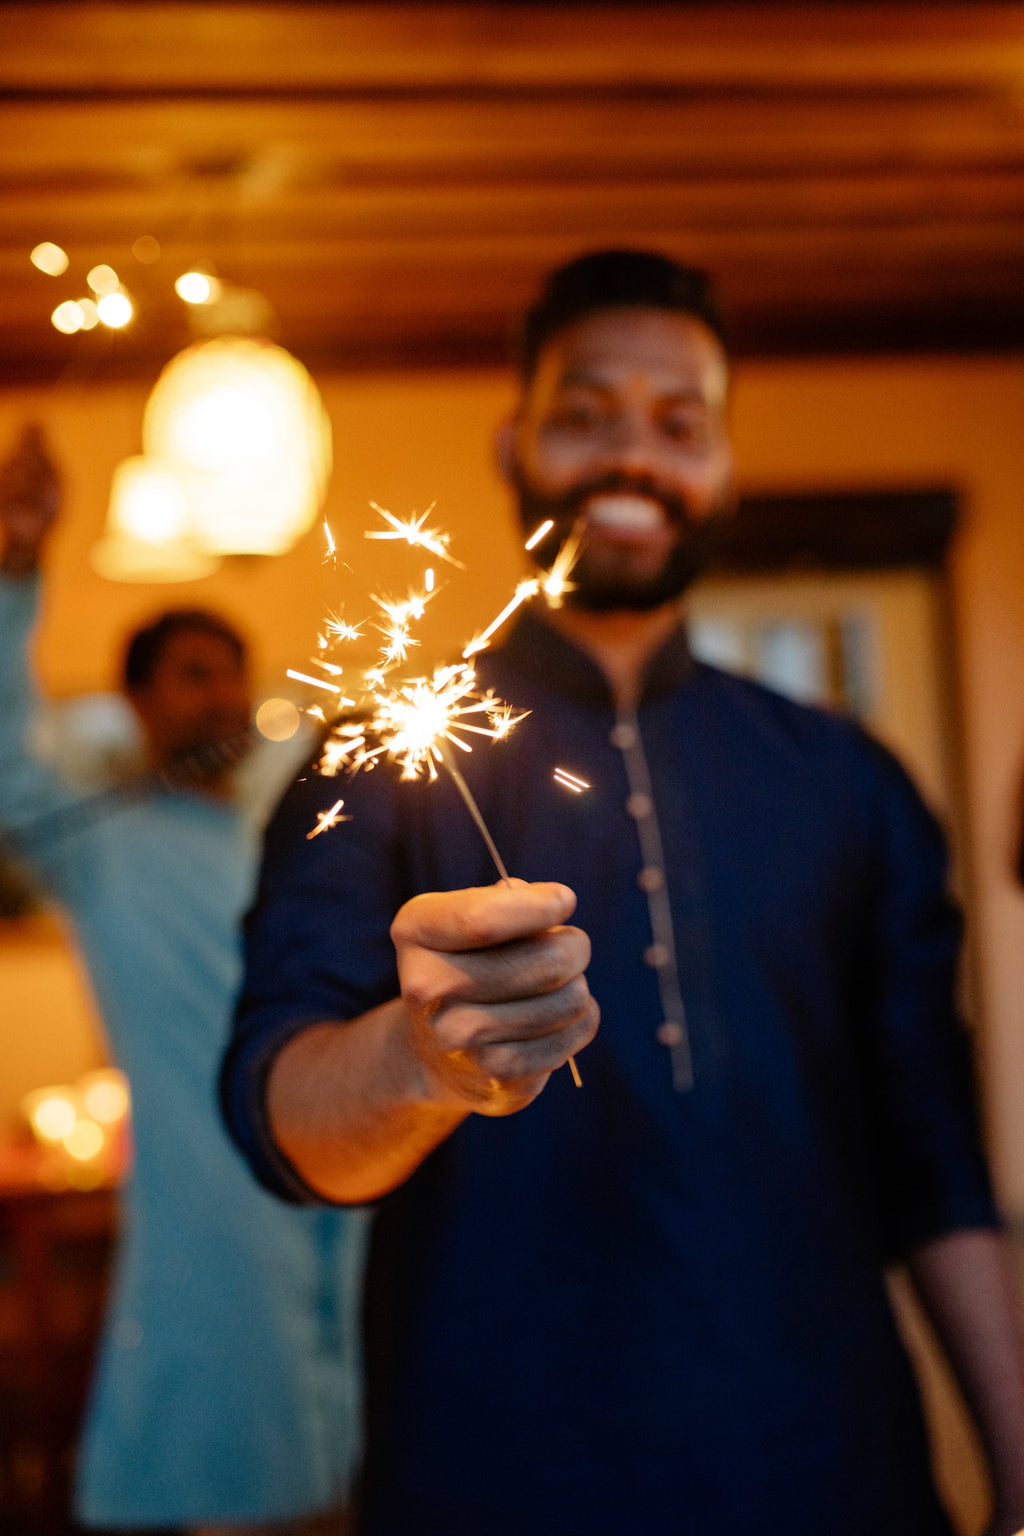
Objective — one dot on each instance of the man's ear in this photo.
(506, 441)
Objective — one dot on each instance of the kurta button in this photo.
(651, 878)
(670, 1033)
(655, 955)
(623, 735)
(639, 805)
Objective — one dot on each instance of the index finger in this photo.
(482, 916)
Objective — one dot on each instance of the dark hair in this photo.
(615, 280)
(146, 645)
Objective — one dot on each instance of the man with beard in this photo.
(654, 1304)
(226, 1394)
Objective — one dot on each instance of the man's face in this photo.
(622, 432)
(198, 694)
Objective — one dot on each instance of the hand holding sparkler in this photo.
(493, 986)
(414, 722)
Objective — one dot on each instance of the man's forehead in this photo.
(673, 352)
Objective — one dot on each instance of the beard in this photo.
(601, 586)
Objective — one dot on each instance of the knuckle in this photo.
(456, 1030)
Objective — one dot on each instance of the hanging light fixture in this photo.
(242, 425)
(149, 528)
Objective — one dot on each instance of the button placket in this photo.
(660, 954)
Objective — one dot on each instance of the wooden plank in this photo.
(894, 203)
(264, 146)
(127, 46)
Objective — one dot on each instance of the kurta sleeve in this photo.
(933, 1170)
(32, 795)
(317, 945)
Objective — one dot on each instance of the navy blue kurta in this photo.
(649, 1306)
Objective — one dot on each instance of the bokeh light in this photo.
(197, 288)
(277, 719)
(49, 258)
(105, 1095)
(146, 249)
(51, 1113)
(103, 280)
(67, 317)
(84, 1141)
(115, 310)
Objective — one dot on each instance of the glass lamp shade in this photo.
(148, 534)
(243, 427)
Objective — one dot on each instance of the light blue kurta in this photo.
(227, 1387)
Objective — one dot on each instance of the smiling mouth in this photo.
(622, 512)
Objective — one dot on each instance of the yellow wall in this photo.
(405, 441)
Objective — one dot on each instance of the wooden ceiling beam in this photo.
(122, 47)
(260, 146)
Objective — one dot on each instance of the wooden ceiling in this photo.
(393, 178)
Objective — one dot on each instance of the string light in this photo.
(115, 309)
(103, 280)
(49, 258)
(67, 317)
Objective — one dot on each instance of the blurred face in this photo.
(622, 434)
(198, 694)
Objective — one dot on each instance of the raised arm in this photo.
(30, 790)
(493, 1000)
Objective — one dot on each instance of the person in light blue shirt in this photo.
(226, 1395)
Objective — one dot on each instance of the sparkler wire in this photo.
(485, 832)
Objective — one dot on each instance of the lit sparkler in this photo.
(415, 722)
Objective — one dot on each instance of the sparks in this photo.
(332, 548)
(315, 682)
(335, 628)
(327, 819)
(555, 582)
(415, 534)
(570, 781)
(409, 722)
(538, 534)
(528, 588)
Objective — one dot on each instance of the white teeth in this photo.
(633, 514)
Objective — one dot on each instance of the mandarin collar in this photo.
(535, 647)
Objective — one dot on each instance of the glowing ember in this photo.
(570, 781)
(528, 588)
(327, 819)
(538, 534)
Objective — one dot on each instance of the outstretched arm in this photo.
(493, 1000)
(966, 1286)
(30, 790)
